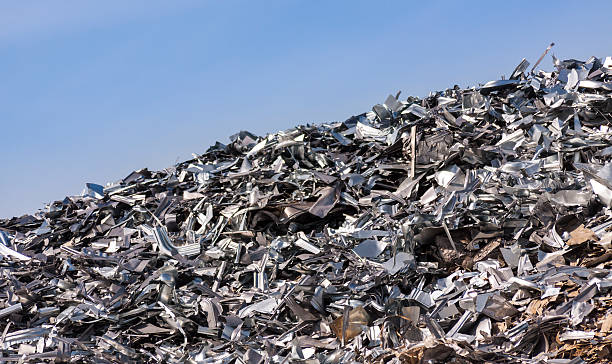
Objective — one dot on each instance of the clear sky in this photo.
(91, 90)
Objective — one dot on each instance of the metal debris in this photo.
(473, 225)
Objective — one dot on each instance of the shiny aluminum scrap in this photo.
(473, 225)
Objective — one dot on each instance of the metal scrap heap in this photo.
(471, 226)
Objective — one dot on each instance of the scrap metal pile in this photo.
(321, 244)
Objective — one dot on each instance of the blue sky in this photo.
(92, 90)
